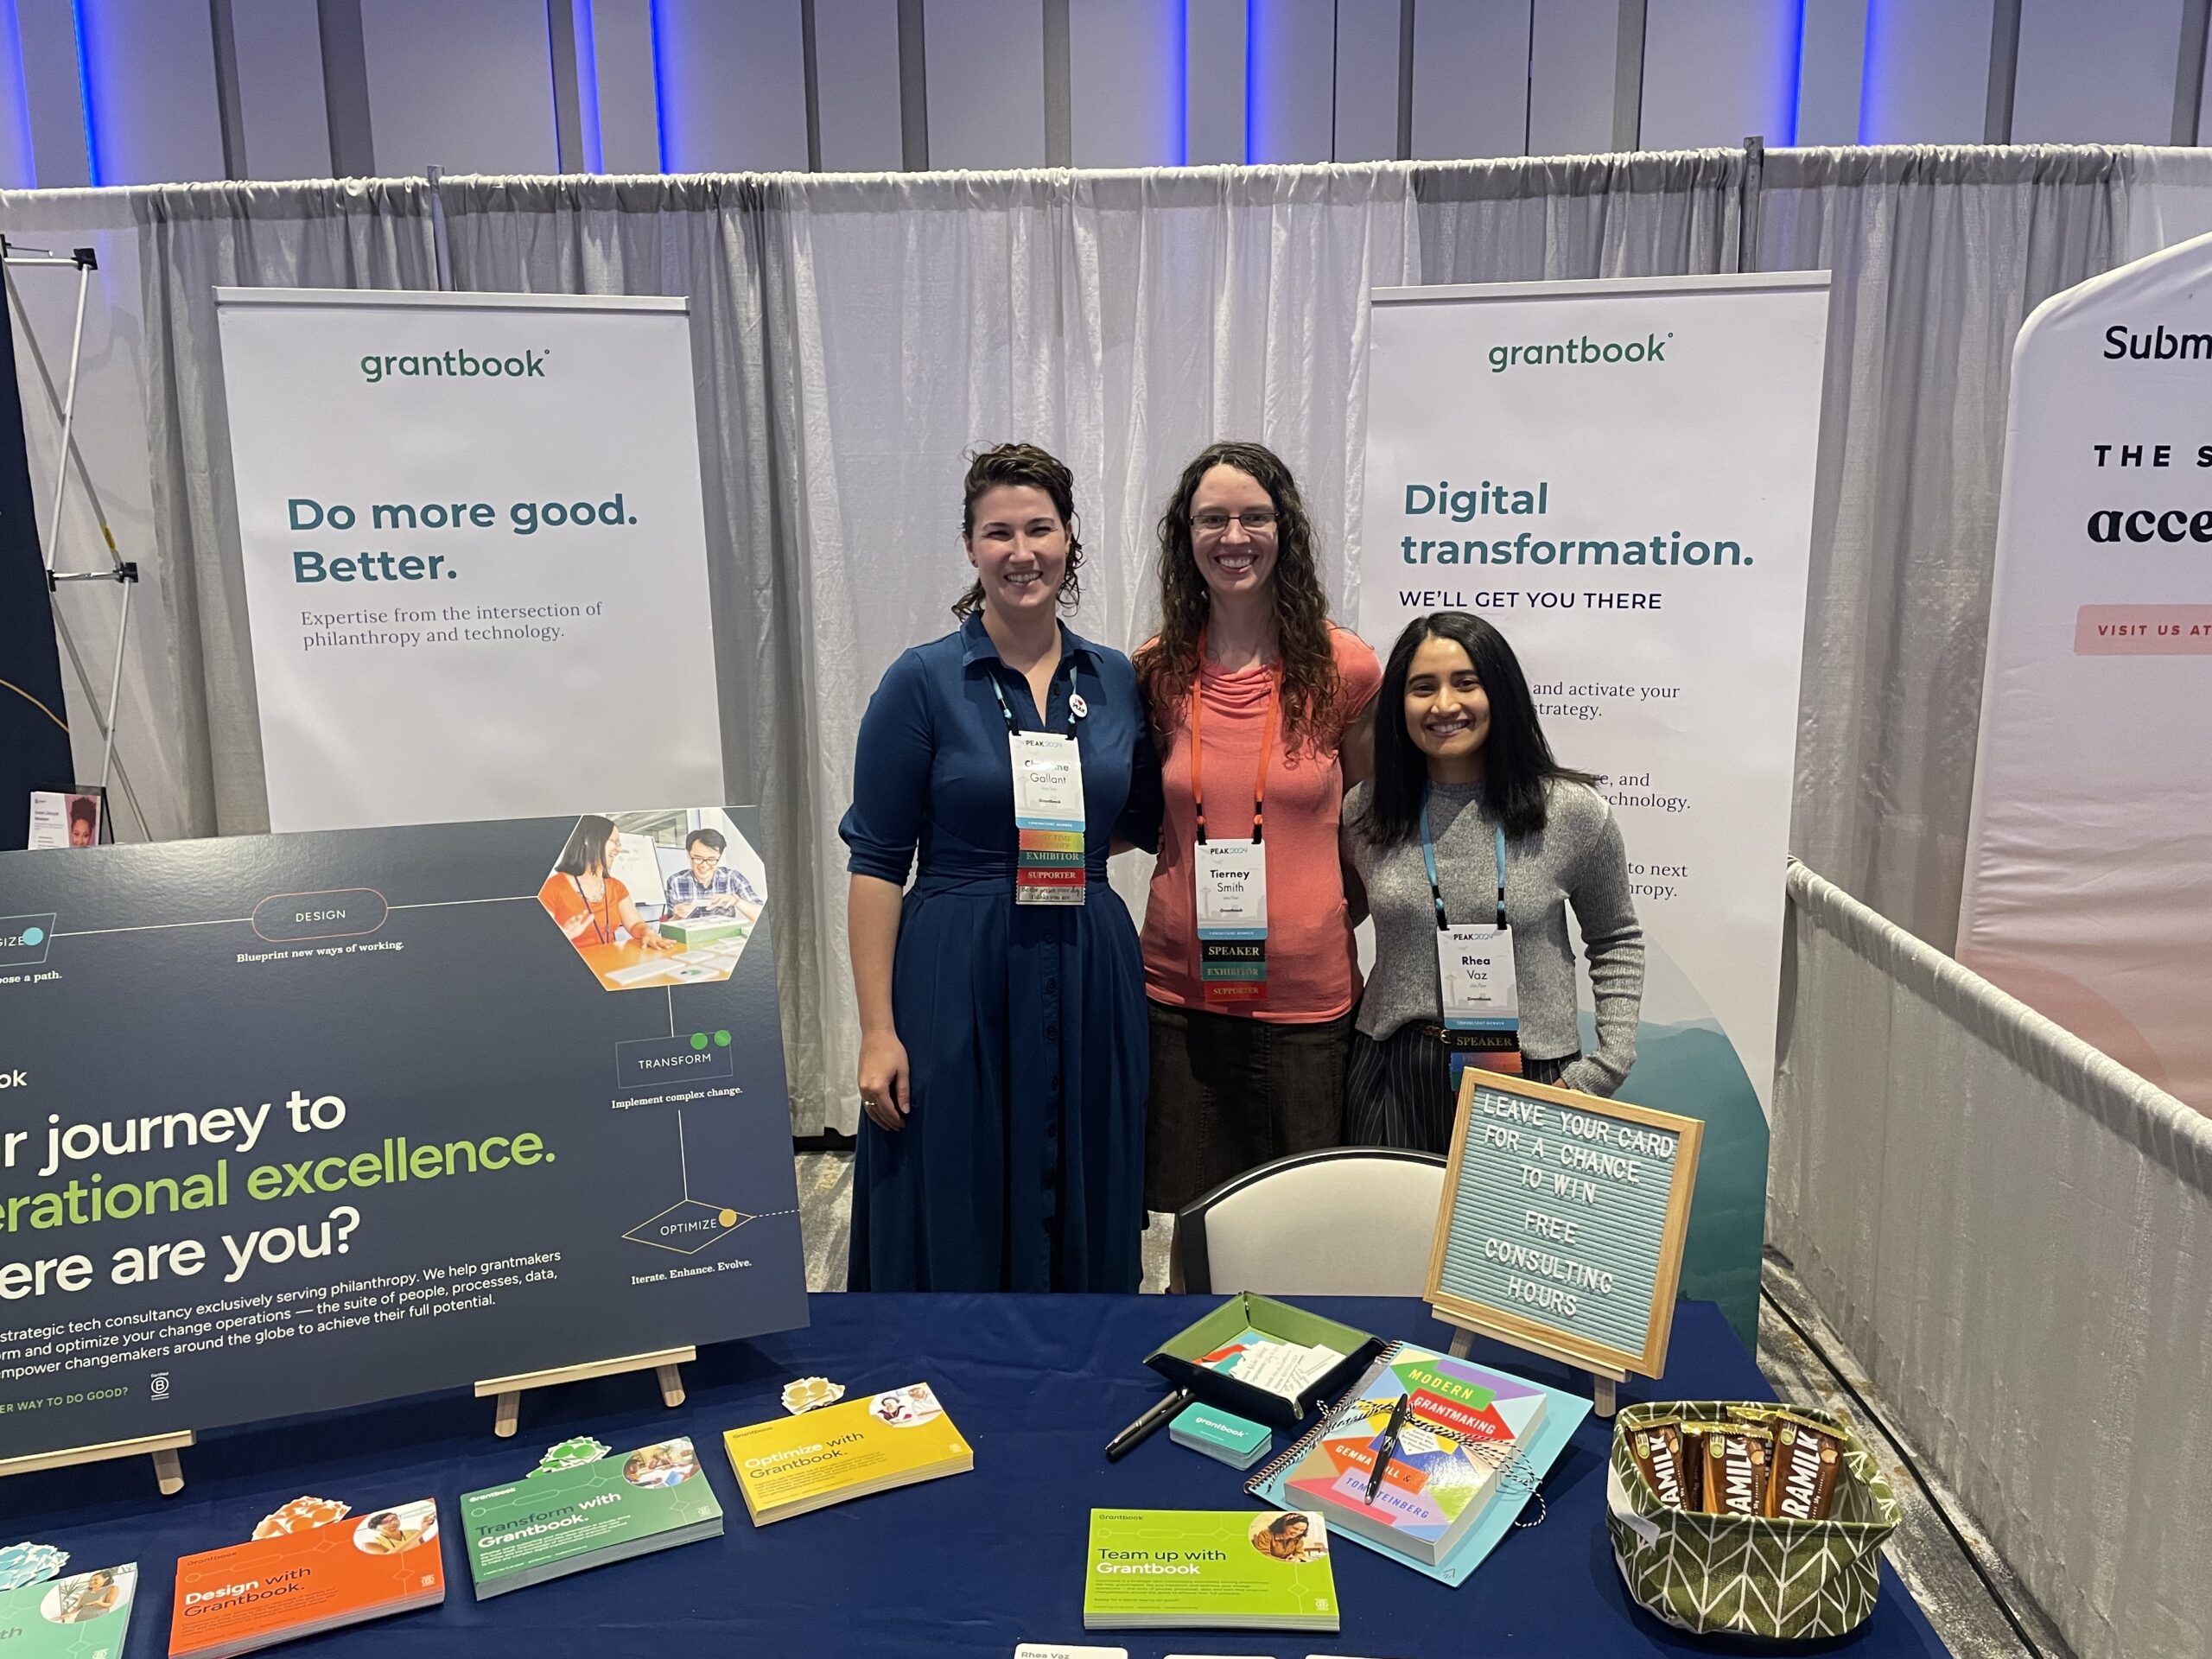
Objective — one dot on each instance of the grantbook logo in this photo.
(455, 364)
(1652, 348)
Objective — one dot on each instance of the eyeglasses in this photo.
(1257, 521)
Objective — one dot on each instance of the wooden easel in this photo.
(1606, 1365)
(1603, 1378)
(507, 1412)
(168, 1473)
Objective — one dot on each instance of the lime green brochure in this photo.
(82, 1617)
(1208, 1569)
(564, 1519)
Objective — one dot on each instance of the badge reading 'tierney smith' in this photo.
(1232, 891)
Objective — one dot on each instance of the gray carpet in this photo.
(1939, 1571)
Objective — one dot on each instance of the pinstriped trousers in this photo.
(1398, 1091)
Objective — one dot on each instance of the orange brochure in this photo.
(272, 1589)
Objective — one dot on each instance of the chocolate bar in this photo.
(1694, 1436)
(1656, 1449)
(1736, 1458)
(1807, 1457)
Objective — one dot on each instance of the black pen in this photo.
(1389, 1445)
(1137, 1433)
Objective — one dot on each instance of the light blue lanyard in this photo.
(1428, 857)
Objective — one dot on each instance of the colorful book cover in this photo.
(790, 1466)
(82, 1616)
(1464, 1425)
(565, 1519)
(1209, 1569)
(293, 1584)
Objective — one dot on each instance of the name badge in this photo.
(1481, 999)
(1232, 886)
(1048, 817)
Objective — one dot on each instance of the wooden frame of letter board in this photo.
(1534, 1334)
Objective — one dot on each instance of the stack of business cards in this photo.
(1233, 1440)
(579, 1510)
(1274, 1364)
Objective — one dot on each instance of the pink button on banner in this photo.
(2143, 631)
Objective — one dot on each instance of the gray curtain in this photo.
(853, 336)
(195, 239)
(1938, 255)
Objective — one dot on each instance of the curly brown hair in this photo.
(1168, 665)
(1018, 465)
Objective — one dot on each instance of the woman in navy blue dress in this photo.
(1003, 1058)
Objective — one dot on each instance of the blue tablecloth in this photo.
(968, 1565)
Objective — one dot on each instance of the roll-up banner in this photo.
(474, 552)
(1619, 475)
(2088, 877)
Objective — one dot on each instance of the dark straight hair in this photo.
(587, 847)
(1518, 764)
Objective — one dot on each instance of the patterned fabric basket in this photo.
(1747, 1574)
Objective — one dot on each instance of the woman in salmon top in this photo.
(1259, 704)
(591, 903)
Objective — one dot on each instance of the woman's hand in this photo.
(884, 1074)
(653, 941)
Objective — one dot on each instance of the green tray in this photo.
(1177, 1359)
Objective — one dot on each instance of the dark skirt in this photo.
(1230, 1092)
(1021, 1168)
(1398, 1090)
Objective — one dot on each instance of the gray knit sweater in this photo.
(1576, 858)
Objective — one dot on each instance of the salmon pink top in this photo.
(1312, 967)
(564, 897)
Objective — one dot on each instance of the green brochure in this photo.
(84, 1615)
(562, 1520)
(1208, 1569)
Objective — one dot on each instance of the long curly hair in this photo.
(1020, 464)
(1168, 665)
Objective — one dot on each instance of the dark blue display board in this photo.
(295, 1122)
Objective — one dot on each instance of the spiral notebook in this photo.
(1554, 1424)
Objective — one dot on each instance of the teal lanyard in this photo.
(1428, 857)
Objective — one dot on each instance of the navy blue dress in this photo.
(1021, 1166)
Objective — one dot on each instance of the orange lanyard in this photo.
(1198, 750)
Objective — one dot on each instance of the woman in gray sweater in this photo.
(1470, 843)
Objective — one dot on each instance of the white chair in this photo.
(1348, 1221)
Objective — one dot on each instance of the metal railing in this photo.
(2014, 1233)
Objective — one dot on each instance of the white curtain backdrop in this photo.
(854, 336)
(1122, 320)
